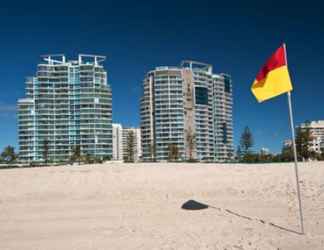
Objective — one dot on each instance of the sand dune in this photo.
(138, 206)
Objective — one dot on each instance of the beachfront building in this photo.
(287, 143)
(132, 135)
(117, 143)
(189, 107)
(67, 105)
(316, 129)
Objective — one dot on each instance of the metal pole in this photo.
(295, 158)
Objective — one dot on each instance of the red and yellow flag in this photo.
(273, 78)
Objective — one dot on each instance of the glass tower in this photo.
(67, 104)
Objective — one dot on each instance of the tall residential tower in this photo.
(68, 104)
(190, 107)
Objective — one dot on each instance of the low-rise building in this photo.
(316, 129)
(136, 147)
(117, 149)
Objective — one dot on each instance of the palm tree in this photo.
(76, 154)
(130, 149)
(8, 155)
(152, 151)
(45, 150)
(191, 144)
(173, 152)
(287, 153)
(238, 153)
(303, 140)
(246, 141)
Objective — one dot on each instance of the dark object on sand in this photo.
(193, 205)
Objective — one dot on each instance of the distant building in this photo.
(117, 148)
(137, 145)
(67, 104)
(264, 151)
(317, 132)
(190, 107)
(120, 142)
(287, 143)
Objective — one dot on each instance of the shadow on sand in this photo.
(195, 205)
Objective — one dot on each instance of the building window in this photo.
(201, 95)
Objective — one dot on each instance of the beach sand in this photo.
(138, 206)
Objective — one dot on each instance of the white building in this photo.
(190, 107)
(117, 132)
(67, 104)
(137, 142)
(317, 132)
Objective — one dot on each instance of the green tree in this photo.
(250, 158)
(263, 157)
(276, 158)
(76, 154)
(173, 152)
(106, 158)
(45, 150)
(8, 155)
(152, 151)
(303, 140)
(287, 153)
(88, 158)
(191, 142)
(130, 147)
(246, 141)
(239, 153)
(322, 154)
(316, 155)
(91, 159)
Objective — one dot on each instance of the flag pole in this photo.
(295, 153)
(295, 159)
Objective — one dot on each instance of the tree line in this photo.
(244, 151)
(10, 157)
(303, 147)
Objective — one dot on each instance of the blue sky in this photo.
(136, 36)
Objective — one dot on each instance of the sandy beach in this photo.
(138, 206)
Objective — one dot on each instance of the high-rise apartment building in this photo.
(190, 107)
(117, 131)
(68, 104)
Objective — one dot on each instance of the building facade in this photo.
(67, 104)
(190, 107)
(316, 129)
(137, 145)
(223, 117)
(117, 144)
